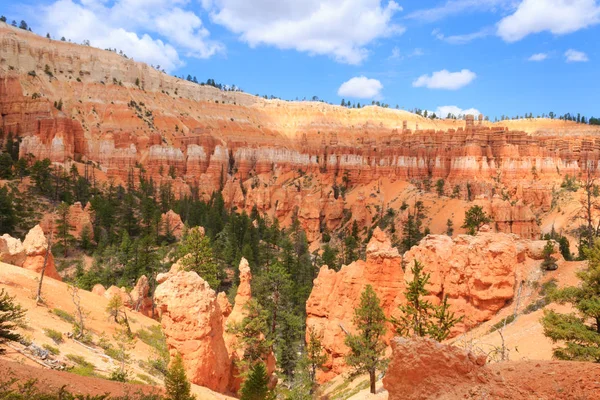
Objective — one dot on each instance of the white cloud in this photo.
(462, 39)
(395, 54)
(456, 7)
(445, 79)
(556, 16)
(538, 57)
(361, 87)
(443, 111)
(341, 29)
(132, 26)
(576, 56)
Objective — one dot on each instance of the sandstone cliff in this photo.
(278, 156)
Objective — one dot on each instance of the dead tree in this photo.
(38, 298)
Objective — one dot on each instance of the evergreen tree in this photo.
(63, 226)
(11, 317)
(256, 385)
(579, 331)
(177, 387)
(419, 317)
(6, 166)
(475, 218)
(439, 187)
(449, 227)
(197, 255)
(329, 257)
(314, 354)
(252, 334)
(367, 348)
(8, 213)
(411, 231)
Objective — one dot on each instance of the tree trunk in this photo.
(38, 298)
(372, 378)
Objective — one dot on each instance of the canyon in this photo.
(287, 159)
(327, 167)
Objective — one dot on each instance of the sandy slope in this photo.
(23, 284)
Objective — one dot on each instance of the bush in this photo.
(56, 336)
(80, 360)
(51, 349)
(65, 316)
(503, 321)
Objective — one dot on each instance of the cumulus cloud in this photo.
(443, 111)
(341, 29)
(445, 79)
(538, 57)
(361, 87)
(153, 31)
(556, 16)
(575, 56)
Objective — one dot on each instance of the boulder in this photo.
(11, 250)
(99, 289)
(35, 246)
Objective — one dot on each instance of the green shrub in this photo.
(80, 360)
(65, 316)
(503, 321)
(56, 336)
(51, 349)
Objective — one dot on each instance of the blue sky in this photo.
(497, 56)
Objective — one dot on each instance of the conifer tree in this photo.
(475, 218)
(177, 386)
(314, 354)
(367, 348)
(256, 385)
(63, 226)
(197, 255)
(579, 331)
(11, 316)
(419, 317)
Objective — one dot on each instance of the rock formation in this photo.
(479, 274)
(193, 325)
(335, 295)
(30, 254)
(171, 223)
(286, 158)
(140, 300)
(79, 218)
(422, 368)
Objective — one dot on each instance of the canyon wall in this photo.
(77, 104)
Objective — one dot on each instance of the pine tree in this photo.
(177, 386)
(475, 218)
(314, 354)
(367, 348)
(63, 226)
(252, 334)
(579, 332)
(197, 255)
(419, 317)
(256, 385)
(11, 316)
